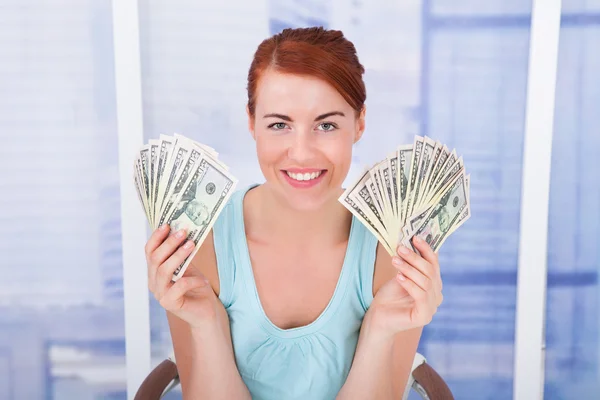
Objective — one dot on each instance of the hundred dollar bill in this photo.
(404, 156)
(416, 219)
(424, 164)
(143, 169)
(438, 162)
(377, 177)
(365, 194)
(362, 213)
(139, 187)
(435, 184)
(164, 152)
(443, 216)
(449, 176)
(201, 200)
(393, 166)
(152, 175)
(414, 167)
(466, 214)
(359, 189)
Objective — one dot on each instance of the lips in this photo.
(303, 178)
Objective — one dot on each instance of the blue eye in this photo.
(327, 127)
(278, 126)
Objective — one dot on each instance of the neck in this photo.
(285, 224)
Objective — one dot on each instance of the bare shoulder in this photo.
(384, 270)
(205, 262)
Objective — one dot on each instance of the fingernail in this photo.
(188, 244)
(180, 234)
(418, 239)
(403, 250)
(164, 227)
(401, 277)
(396, 261)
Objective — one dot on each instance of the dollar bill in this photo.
(438, 162)
(393, 166)
(424, 163)
(414, 168)
(203, 196)
(434, 184)
(143, 169)
(416, 219)
(152, 174)
(194, 155)
(361, 212)
(382, 191)
(444, 215)
(404, 156)
(139, 187)
(172, 168)
(164, 152)
(449, 176)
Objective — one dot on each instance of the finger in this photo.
(174, 297)
(425, 249)
(423, 308)
(156, 239)
(168, 247)
(166, 270)
(416, 261)
(414, 290)
(412, 273)
(431, 257)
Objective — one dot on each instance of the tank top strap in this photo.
(365, 245)
(226, 242)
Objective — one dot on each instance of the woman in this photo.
(290, 297)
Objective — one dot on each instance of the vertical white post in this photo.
(133, 221)
(535, 193)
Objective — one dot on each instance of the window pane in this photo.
(572, 332)
(472, 8)
(61, 301)
(476, 88)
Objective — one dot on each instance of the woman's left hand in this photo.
(412, 297)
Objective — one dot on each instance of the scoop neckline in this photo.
(252, 290)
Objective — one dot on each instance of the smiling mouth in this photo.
(306, 176)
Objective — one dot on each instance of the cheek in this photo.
(340, 155)
(268, 151)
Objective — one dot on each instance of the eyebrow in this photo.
(320, 117)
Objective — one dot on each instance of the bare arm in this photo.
(205, 360)
(382, 363)
(198, 321)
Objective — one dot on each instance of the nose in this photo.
(301, 148)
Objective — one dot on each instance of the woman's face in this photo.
(304, 132)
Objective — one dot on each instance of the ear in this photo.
(250, 122)
(360, 124)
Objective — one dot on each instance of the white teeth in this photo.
(304, 177)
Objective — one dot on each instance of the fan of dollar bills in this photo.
(420, 190)
(182, 183)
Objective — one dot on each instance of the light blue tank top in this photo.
(309, 362)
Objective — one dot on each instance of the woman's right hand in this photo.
(191, 297)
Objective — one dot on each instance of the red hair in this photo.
(316, 52)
